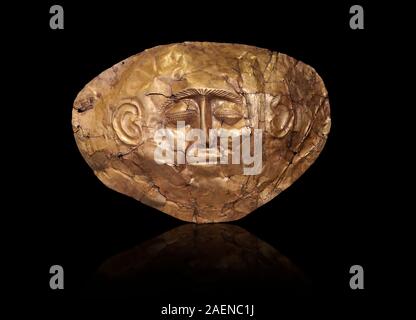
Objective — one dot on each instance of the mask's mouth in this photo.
(210, 156)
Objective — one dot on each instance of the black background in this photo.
(324, 223)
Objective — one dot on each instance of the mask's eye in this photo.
(183, 110)
(228, 112)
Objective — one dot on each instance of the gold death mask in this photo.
(205, 132)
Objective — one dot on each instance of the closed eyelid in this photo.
(227, 114)
(176, 113)
(223, 112)
(180, 115)
(228, 109)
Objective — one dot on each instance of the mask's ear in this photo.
(126, 122)
(282, 122)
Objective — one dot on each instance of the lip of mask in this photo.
(205, 132)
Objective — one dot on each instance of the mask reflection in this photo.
(208, 259)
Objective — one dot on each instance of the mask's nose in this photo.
(205, 117)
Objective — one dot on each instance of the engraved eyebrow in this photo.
(178, 96)
(204, 92)
(186, 93)
(225, 94)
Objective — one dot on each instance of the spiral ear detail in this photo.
(283, 119)
(125, 122)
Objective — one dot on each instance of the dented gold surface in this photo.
(208, 86)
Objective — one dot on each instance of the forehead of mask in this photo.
(166, 70)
